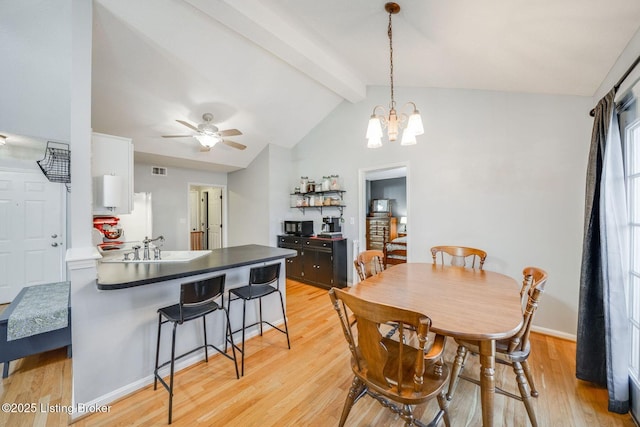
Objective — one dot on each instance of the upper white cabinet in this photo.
(112, 172)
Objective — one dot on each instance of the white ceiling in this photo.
(275, 68)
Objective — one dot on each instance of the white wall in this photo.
(170, 199)
(36, 68)
(249, 203)
(259, 197)
(501, 171)
(280, 185)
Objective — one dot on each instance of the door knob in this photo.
(54, 244)
(53, 236)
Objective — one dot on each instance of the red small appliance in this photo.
(109, 228)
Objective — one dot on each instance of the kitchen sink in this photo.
(166, 257)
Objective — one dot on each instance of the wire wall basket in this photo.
(56, 165)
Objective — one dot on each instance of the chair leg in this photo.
(260, 308)
(204, 329)
(228, 320)
(355, 392)
(284, 316)
(155, 377)
(233, 348)
(173, 360)
(523, 386)
(456, 370)
(444, 404)
(529, 375)
(407, 415)
(244, 322)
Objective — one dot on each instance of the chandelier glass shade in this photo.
(410, 124)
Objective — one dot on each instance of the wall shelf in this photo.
(308, 198)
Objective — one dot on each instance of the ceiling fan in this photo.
(208, 134)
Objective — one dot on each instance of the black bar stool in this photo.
(260, 285)
(197, 299)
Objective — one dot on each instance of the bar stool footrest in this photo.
(167, 363)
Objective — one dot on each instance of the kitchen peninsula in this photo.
(113, 276)
(115, 327)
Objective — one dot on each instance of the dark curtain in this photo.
(592, 356)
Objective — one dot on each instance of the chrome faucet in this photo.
(145, 242)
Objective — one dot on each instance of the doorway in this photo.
(32, 231)
(206, 216)
(391, 183)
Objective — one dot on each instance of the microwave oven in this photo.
(298, 228)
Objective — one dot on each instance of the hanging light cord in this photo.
(390, 34)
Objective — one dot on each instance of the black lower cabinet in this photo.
(294, 264)
(320, 262)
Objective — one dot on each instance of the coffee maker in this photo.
(331, 227)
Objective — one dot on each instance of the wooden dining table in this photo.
(462, 303)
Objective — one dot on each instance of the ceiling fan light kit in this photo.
(208, 140)
(393, 122)
(208, 134)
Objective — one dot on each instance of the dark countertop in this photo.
(126, 275)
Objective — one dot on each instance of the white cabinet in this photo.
(112, 172)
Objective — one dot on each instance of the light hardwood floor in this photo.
(305, 386)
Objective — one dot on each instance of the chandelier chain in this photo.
(408, 125)
(390, 34)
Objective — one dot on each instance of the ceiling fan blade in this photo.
(233, 144)
(187, 124)
(177, 136)
(230, 132)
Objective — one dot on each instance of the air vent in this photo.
(158, 170)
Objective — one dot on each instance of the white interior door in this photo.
(194, 211)
(32, 232)
(214, 218)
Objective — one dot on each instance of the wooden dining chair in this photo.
(513, 351)
(459, 255)
(396, 373)
(369, 263)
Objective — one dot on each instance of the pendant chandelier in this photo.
(393, 122)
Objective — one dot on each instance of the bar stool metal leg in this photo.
(173, 361)
(155, 378)
(206, 350)
(284, 316)
(233, 347)
(260, 305)
(244, 321)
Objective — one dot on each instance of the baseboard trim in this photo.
(553, 333)
(112, 397)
